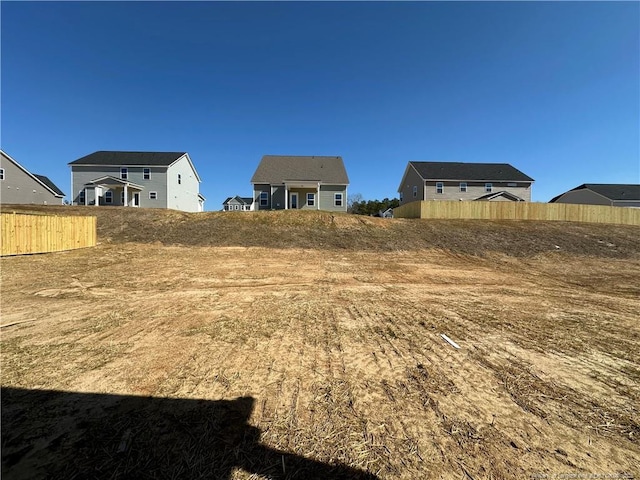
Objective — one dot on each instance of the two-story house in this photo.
(237, 204)
(464, 181)
(18, 185)
(137, 179)
(300, 182)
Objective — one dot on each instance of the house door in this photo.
(136, 199)
(294, 201)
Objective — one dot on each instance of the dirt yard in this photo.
(139, 360)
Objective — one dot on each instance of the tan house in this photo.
(614, 195)
(464, 181)
(286, 182)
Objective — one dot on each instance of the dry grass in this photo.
(153, 360)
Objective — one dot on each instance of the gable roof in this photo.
(480, 172)
(50, 184)
(242, 200)
(503, 193)
(103, 157)
(41, 179)
(612, 191)
(276, 169)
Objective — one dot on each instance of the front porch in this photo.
(112, 191)
(302, 195)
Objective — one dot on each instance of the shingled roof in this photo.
(276, 169)
(163, 159)
(613, 191)
(49, 184)
(480, 172)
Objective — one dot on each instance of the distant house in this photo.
(388, 213)
(18, 185)
(615, 195)
(137, 179)
(464, 181)
(300, 182)
(238, 204)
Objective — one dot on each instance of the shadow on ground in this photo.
(56, 434)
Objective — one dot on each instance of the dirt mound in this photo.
(311, 229)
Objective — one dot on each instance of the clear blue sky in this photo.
(552, 88)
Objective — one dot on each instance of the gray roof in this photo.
(479, 172)
(613, 191)
(242, 200)
(276, 169)
(163, 159)
(50, 184)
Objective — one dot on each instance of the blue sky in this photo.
(552, 88)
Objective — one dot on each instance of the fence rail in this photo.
(519, 211)
(26, 233)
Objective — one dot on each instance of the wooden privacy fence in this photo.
(519, 211)
(27, 233)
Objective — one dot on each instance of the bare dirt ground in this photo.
(155, 360)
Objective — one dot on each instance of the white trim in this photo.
(335, 199)
(488, 185)
(466, 187)
(126, 173)
(1, 174)
(143, 173)
(440, 186)
(313, 200)
(155, 195)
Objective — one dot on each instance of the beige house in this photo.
(614, 195)
(494, 182)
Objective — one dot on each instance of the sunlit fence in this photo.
(26, 233)
(519, 211)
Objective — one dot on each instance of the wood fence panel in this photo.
(26, 233)
(564, 212)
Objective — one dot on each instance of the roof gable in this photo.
(41, 179)
(276, 169)
(103, 157)
(479, 172)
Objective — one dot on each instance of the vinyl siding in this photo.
(83, 174)
(585, 197)
(18, 187)
(474, 190)
(257, 189)
(183, 196)
(327, 198)
(410, 180)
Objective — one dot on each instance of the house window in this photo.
(1, 173)
(146, 173)
(122, 197)
(179, 179)
(124, 173)
(81, 197)
(311, 199)
(237, 207)
(153, 195)
(463, 186)
(488, 187)
(415, 191)
(108, 196)
(264, 199)
(439, 187)
(401, 196)
(337, 199)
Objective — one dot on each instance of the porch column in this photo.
(286, 197)
(318, 197)
(126, 198)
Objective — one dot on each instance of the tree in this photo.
(353, 199)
